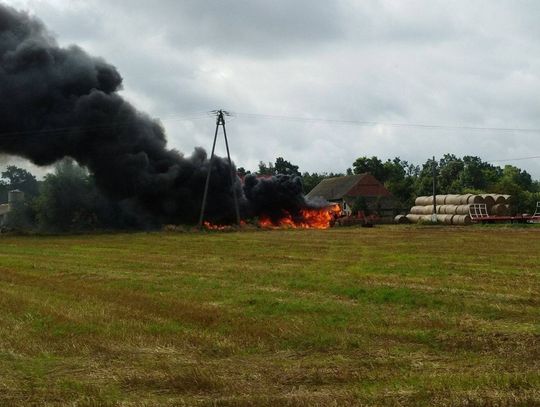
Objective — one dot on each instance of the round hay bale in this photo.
(488, 200)
(440, 199)
(500, 209)
(445, 219)
(428, 201)
(462, 210)
(464, 199)
(453, 199)
(442, 209)
(413, 218)
(499, 199)
(418, 210)
(418, 218)
(449, 209)
(401, 220)
(422, 201)
(461, 220)
(474, 199)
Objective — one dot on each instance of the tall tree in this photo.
(283, 166)
(478, 175)
(18, 178)
(399, 176)
(310, 181)
(372, 165)
(424, 180)
(266, 169)
(69, 200)
(450, 170)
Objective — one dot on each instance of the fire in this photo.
(321, 218)
(211, 226)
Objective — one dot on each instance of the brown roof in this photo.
(351, 185)
(334, 188)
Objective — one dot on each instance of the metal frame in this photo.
(220, 121)
(536, 217)
(478, 211)
(537, 211)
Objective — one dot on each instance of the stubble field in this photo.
(382, 316)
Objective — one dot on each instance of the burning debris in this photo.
(322, 218)
(62, 102)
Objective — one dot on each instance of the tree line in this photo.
(68, 199)
(65, 200)
(406, 181)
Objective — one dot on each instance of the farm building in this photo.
(15, 198)
(346, 190)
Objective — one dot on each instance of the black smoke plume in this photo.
(61, 102)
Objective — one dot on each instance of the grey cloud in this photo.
(256, 27)
(439, 62)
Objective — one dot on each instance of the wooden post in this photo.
(434, 171)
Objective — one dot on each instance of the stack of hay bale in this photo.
(454, 209)
(498, 205)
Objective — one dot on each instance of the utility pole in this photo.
(220, 121)
(434, 171)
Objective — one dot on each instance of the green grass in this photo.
(383, 316)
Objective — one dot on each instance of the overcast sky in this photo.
(467, 63)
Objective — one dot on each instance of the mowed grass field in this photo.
(349, 316)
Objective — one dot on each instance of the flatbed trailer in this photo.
(479, 214)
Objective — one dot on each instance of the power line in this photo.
(210, 114)
(58, 131)
(375, 123)
(515, 159)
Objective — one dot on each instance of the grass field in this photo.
(382, 316)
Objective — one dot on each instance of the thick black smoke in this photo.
(61, 102)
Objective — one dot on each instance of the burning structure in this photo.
(346, 190)
(62, 102)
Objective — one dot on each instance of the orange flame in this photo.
(321, 218)
(211, 226)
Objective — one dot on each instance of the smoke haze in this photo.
(61, 102)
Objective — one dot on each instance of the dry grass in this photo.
(383, 316)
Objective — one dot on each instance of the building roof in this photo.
(334, 188)
(351, 185)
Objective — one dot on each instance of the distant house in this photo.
(15, 199)
(346, 190)
(4, 209)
